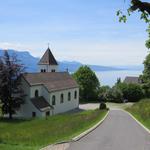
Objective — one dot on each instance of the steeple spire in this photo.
(48, 58)
(48, 62)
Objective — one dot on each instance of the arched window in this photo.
(53, 100)
(36, 93)
(69, 96)
(41, 70)
(61, 98)
(44, 70)
(75, 95)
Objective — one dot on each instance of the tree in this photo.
(118, 81)
(102, 93)
(141, 7)
(11, 94)
(145, 78)
(134, 92)
(114, 94)
(131, 92)
(88, 83)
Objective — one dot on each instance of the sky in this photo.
(87, 31)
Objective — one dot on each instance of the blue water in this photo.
(110, 77)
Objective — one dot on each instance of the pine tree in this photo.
(11, 94)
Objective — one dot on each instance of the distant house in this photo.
(49, 91)
(131, 79)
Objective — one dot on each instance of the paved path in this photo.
(89, 106)
(118, 132)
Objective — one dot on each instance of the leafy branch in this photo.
(144, 9)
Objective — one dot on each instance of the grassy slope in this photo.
(141, 111)
(34, 134)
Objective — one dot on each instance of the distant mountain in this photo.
(30, 63)
(26, 58)
(70, 66)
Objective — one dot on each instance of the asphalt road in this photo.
(118, 132)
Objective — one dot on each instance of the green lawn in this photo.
(141, 111)
(34, 134)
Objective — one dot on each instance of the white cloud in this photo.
(7, 45)
(88, 52)
(102, 53)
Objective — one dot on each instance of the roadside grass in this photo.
(141, 111)
(37, 133)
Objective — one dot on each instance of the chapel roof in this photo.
(48, 58)
(52, 81)
(40, 103)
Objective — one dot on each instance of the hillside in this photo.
(27, 59)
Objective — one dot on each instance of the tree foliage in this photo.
(88, 83)
(131, 92)
(145, 78)
(102, 93)
(120, 92)
(114, 94)
(11, 94)
(143, 8)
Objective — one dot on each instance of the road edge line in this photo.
(137, 121)
(81, 135)
(78, 137)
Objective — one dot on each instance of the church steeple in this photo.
(48, 58)
(48, 62)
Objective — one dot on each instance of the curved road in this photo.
(118, 132)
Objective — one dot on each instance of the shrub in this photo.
(141, 108)
(102, 93)
(131, 92)
(114, 95)
(102, 106)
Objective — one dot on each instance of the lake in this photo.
(110, 77)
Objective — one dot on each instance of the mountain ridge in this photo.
(27, 59)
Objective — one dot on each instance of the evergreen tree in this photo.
(11, 94)
(118, 81)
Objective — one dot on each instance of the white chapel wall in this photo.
(66, 105)
(48, 68)
(27, 108)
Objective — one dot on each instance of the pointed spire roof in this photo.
(48, 58)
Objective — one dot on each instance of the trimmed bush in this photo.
(102, 106)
